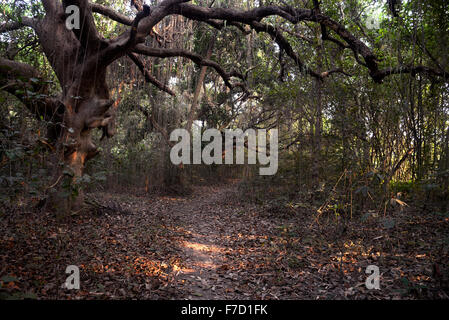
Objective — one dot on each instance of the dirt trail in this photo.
(213, 244)
(209, 248)
(233, 249)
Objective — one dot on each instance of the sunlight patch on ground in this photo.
(202, 247)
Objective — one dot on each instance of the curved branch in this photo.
(336, 70)
(221, 17)
(253, 17)
(110, 13)
(277, 36)
(11, 26)
(15, 25)
(22, 81)
(413, 70)
(196, 58)
(141, 15)
(217, 24)
(148, 76)
(233, 15)
(140, 28)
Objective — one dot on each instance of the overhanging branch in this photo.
(110, 13)
(196, 58)
(16, 25)
(23, 81)
(148, 76)
(254, 16)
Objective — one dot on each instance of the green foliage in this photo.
(22, 175)
(405, 187)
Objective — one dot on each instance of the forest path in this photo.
(214, 244)
(221, 240)
(235, 249)
(211, 244)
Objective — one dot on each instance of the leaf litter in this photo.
(213, 244)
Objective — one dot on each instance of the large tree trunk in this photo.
(87, 106)
(80, 63)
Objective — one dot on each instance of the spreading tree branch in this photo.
(16, 25)
(110, 13)
(148, 76)
(196, 58)
(253, 17)
(24, 82)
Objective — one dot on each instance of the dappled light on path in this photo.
(202, 247)
(212, 245)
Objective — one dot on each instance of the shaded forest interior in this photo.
(358, 91)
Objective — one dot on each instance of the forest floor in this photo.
(214, 245)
